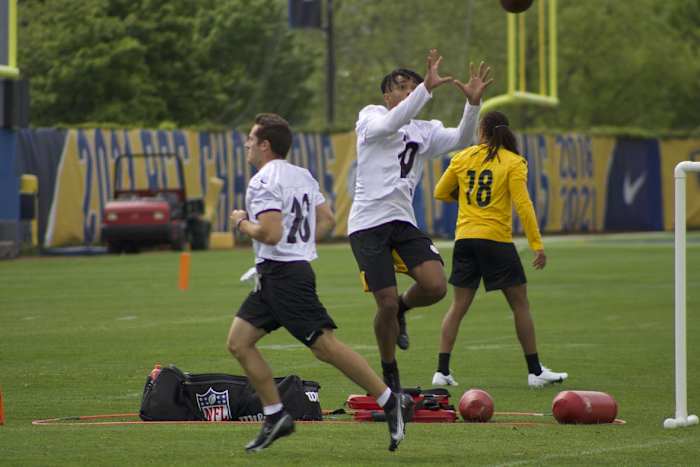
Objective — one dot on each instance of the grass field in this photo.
(79, 335)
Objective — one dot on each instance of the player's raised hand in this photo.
(540, 259)
(477, 84)
(432, 76)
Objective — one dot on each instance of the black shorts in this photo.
(497, 262)
(373, 252)
(287, 298)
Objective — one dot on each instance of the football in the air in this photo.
(516, 6)
(476, 405)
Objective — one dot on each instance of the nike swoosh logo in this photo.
(308, 338)
(630, 189)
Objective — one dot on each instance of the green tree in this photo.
(373, 38)
(685, 21)
(631, 64)
(206, 62)
(82, 65)
(167, 32)
(218, 62)
(619, 66)
(250, 62)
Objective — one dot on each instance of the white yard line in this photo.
(592, 452)
(605, 240)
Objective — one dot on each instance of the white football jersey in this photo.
(292, 190)
(391, 150)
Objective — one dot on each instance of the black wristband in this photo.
(238, 224)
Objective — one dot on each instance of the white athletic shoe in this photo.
(444, 380)
(546, 377)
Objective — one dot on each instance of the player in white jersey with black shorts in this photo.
(391, 149)
(285, 213)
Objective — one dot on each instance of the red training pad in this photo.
(365, 402)
(421, 416)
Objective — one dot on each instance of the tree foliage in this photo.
(623, 66)
(631, 64)
(218, 62)
(190, 62)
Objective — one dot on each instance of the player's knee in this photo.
(520, 308)
(436, 290)
(237, 348)
(459, 309)
(519, 304)
(388, 306)
(322, 354)
(441, 291)
(323, 348)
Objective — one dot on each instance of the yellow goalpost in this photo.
(517, 92)
(8, 39)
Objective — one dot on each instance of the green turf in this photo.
(79, 335)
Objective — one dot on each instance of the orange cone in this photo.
(2, 410)
(184, 280)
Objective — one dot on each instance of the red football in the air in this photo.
(476, 406)
(516, 6)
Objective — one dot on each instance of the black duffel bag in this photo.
(175, 395)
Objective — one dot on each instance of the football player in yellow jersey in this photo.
(487, 180)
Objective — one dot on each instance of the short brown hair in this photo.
(275, 129)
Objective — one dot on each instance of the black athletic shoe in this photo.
(398, 417)
(270, 431)
(402, 338)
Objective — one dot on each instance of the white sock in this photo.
(272, 409)
(384, 398)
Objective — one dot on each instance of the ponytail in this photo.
(495, 129)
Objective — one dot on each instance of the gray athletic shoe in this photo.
(398, 417)
(270, 432)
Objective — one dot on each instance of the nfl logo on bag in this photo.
(214, 405)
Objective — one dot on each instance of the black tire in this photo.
(180, 239)
(132, 248)
(199, 234)
(114, 248)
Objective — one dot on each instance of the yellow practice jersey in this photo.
(486, 192)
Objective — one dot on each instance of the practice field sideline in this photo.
(79, 335)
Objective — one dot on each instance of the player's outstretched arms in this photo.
(432, 75)
(477, 84)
